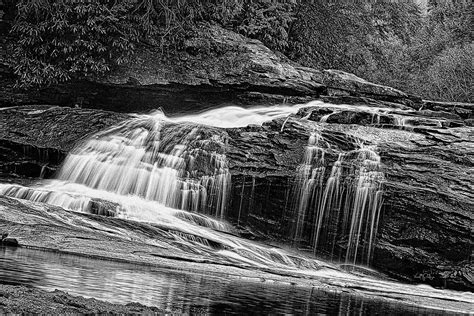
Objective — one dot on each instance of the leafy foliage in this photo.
(58, 40)
(267, 21)
(440, 44)
(390, 43)
(451, 75)
(330, 35)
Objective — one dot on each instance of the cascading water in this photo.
(138, 158)
(309, 179)
(170, 170)
(143, 157)
(345, 207)
(173, 173)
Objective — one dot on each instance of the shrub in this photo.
(60, 40)
(267, 21)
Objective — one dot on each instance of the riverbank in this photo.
(16, 299)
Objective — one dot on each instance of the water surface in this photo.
(180, 291)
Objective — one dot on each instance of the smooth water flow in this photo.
(346, 205)
(143, 158)
(235, 116)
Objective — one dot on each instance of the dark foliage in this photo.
(58, 40)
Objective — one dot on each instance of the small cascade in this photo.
(182, 167)
(343, 211)
(310, 175)
(367, 202)
(329, 202)
(139, 158)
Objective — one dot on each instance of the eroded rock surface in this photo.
(215, 67)
(35, 139)
(26, 300)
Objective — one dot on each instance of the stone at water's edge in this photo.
(28, 300)
(425, 234)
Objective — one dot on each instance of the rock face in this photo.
(215, 67)
(34, 140)
(425, 232)
(425, 229)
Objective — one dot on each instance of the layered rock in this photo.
(215, 67)
(425, 231)
(35, 140)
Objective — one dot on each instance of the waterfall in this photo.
(174, 171)
(182, 168)
(310, 175)
(346, 207)
(367, 202)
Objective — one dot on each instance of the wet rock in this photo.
(35, 139)
(104, 208)
(339, 80)
(425, 232)
(464, 110)
(28, 300)
(469, 122)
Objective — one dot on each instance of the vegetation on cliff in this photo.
(392, 43)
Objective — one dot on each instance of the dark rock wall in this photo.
(215, 67)
(35, 140)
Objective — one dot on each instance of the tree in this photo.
(451, 76)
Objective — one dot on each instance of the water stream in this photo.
(173, 171)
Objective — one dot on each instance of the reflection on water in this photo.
(179, 291)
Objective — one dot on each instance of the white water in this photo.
(235, 116)
(144, 158)
(171, 170)
(347, 204)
